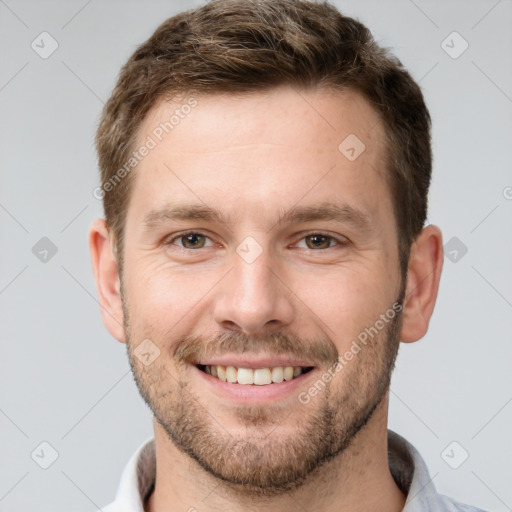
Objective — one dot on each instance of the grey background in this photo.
(65, 381)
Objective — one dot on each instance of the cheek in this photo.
(345, 301)
(167, 301)
(161, 297)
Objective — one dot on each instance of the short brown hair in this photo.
(254, 45)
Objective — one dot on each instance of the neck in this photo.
(358, 480)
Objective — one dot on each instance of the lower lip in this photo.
(253, 392)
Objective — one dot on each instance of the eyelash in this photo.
(170, 241)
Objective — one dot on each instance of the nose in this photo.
(253, 297)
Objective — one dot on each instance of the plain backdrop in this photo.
(65, 382)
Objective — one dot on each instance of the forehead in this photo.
(277, 147)
(273, 116)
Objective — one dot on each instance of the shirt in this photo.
(405, 463)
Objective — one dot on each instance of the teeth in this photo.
(221, 373)
(259, 377)
(231, 374)
(246, 376)
(277, 374)
(288, 373)
(262, 376)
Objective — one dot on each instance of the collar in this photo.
(405, 463)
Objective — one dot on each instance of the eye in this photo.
(193, 240)
(190, 240)
(321, 241)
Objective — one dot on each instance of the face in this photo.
(255, 240)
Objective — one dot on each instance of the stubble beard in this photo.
(270, 455)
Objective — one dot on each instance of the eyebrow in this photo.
(173, 212)
(343, 213)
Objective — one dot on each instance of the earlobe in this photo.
(423, 277)
(106, 275)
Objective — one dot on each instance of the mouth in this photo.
(254, 376)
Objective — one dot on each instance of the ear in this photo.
(423, 276)
(104, 266)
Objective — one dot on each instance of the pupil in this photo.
(318, 240)
(193, 240)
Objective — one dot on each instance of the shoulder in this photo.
(115, 506)
(412, 476)
(451, 505)
(109, 508)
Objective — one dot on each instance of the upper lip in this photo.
(255, 362)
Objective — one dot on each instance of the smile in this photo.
(256, 376)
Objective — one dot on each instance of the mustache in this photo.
(191, 349)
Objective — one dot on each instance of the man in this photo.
(265, 169)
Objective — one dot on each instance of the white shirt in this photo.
(405, 463)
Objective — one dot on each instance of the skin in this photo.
(254, 157)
